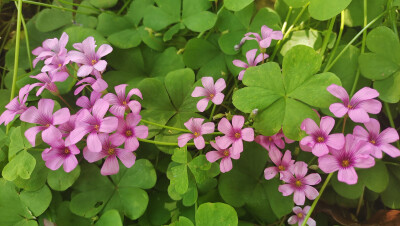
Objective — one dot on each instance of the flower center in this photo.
(298, 183)
(96, 127)
(281, 168)
(124, 102)
(66, 151)
(211, 95)
(47, 125)
(237, 135)
(300, 215)
(270, 139)
(349, 106)
(345, 163)
(226, 152)
(111, 151)
(94, 62)
(196, 134)
(373, 142)
(59, 65)
(128, 133)
(320, 139)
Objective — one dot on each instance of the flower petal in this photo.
(299, 197)
(199, 142)
(328, 164)
(363, 94)
(131, 144)
(100, 65)
(218, 98)
(84, 70)
(286, 189)
(309, 126)
(239, 63)
(70, 162)
(51, 134)
(312, 179)
(100, 108)
(184, 138)
(208, 83)
(327, 124)
(141, 131)
(202, 104)
(388, 135)
(31, 133)
(238, 122)
(300, 169)
(213, 156)
(361, 133)
(225, 165)
(358, 115)
(199, 92)
(335, 141)
(338, 109)
(348, 175)
(104, 50)
(371, 106)
(61, 116)
(207, 128)
(248, 134)
(364, 162)
(390, 150)
(275, 157)
(270, 172)
(220, 85)
(310, 192)
(338, 92)
(108, 125)
(225, 126)
(110, 166)
(127, 158)
(93, 142)
(250, 55)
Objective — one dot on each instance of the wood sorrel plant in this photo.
(201, 112)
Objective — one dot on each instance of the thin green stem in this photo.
(78, 5)
(390, 117)
(51, 6)
(280, 42)
(166, 127)
(392, 17)
(360, 201)
(219, 11)
(124, 6)
(317, 199)
(287, 19)
(327, 36)
(337, 40)
(28, 48)
(16, 57)
(363, 43)
(165, 143)
(212, 112)
(344, 122)
(353, 40)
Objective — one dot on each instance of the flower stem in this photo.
(287, 19)
(344, 122)
(52, 6)
(28, 48)
(16, 57)
(212, 112)
(353, 40)
(317, 199)
(337, 40)
(360, 201)
(63, 100)
(390, 117)
(166, 127)
(164, 143)
(363, 43)
(327, 36)
(280, 42)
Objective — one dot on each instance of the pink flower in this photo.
(282, 164)
(378, 141)
(44, 116)
(121, 102)
(61, 154)
(128, 131)
(319, 139)
(67, 127)
(225, 154)
(16, 106)
(264, 41)
(111, 152)
(93, 124)
(251, 59)
(300, 215)
(88, 58)
(47, 81)
(98, 85)
(198, 129)
(86, 103)
(355, 153)
(51, 49)
(234, 134)
(299, 183)
(271, 142)
(210, 91)
(358, 107)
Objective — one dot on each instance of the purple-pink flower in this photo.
(234, 134)
(319, 139)
(121, 102)
(300, 215)
(44, 116)
(88, 58)
(86, 103)
(93, 125)
(299, 183)
(47, 81)
(198, 129)
(226, 155)
(110, 150)
(271, 143)
(355, 153)
(16, 106)
(282, 164)
(128, 131)
(98, 85)
(51, 50)
(61, 154)
(251, 59)
(264, 41)
(378, 141)
(358, 107)
(210, 91)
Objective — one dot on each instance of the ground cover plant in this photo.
(198, 112)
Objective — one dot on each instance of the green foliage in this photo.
(216, 214)
(382, 64)
(282, 102)
(326, 9)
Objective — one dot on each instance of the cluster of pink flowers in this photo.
(264, 41)
(110, 137)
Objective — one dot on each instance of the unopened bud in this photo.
(218, 116)
(314, 167)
